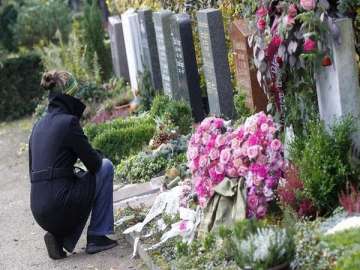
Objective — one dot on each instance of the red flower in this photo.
(309, 45)
(261, 24)
(326, 61)
(261, 12)
(274, 46)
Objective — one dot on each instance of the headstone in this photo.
(216, 65)
(131, 29)
(337, 85)
(118, 51)
(245, 75)
(162, 20)
(188, 77)
(149, 47)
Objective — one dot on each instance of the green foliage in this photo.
(242, 111)
(8, 18)
(94, 38)
(39, 20)
(349, 262)
(71, 57)
(322, 158)
(121, 137)
(19, 86)
(176, 112)
(140, 168)
(146, 91)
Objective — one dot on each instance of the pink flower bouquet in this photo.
(252, 152)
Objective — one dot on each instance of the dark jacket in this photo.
(61, 204)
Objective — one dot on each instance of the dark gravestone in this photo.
(215, 62)
(162, 20)
(187, 71)
(118, 51)
(245, 75)
(149, 47)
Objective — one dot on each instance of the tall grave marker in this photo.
(216, 65)
(131, 29)
(245, 76)
(162, 20)
(338, 85)
(118, 51)
(188, 76)
(149, 47)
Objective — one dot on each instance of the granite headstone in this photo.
(149, 47)
(118, 51)
(245, 75)
(187, 71)
(215, 61)
(162, 20)
(131, 30)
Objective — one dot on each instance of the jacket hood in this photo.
(59, 102)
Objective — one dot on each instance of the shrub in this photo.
(350, 199)
(7, 19)
(121, 138)
(242, 111)
(322, 158)
(94, 38)
(19, 86)
(177, 112)
(38, 21)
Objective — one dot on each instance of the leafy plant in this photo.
(177, 113)
(38, 21)
(94, 38)
(241, 108)
(322, 158)
(8, 18)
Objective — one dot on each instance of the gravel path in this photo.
(21, 239)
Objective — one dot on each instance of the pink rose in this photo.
(292, 11)
(214, 154)
(308, 4)
(253, 151)
(261, 24)
(243, 170)
(275, 145)
(217, 173)
(237, 153)
(197, 138)
(261, 12)
(264, 127)
(270, 182)
(203, 161)
(225, 156)
(193, 152)
(235, 143)
(231, 172)
(290, 21)
(260, 212)
(219, 169)
(220, 140)
(252, 201)
(309, 45)
(218, 123)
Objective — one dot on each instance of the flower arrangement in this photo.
(290, 34)
(251, 151)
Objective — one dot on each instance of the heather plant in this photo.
(350, 199)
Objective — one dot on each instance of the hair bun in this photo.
(53, 78)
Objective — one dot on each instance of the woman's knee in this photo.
(108, 167)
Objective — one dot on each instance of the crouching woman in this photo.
(62, 199)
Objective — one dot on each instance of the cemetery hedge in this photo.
(19, 86)
(121, 137)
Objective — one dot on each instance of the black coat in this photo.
(60, 205)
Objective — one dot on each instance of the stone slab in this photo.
(162, 20)
(215, 62)
(118, 51)
(245, 74)
(149, 47)
(188, 77)
(131, 30)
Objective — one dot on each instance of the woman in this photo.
(61, 200)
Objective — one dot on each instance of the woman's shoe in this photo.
(54, 248)
(97, 243)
